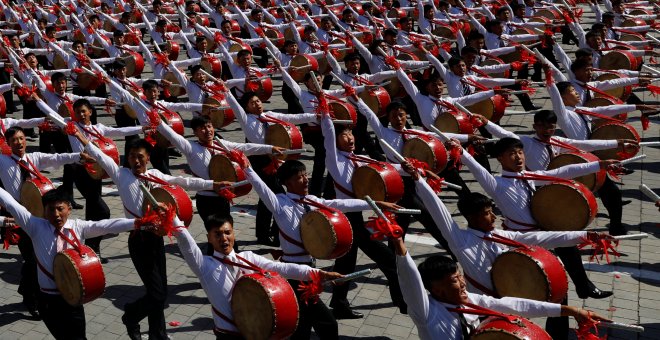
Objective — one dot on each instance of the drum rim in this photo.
(86, 249)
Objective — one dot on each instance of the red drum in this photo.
(172, 48)
(592, 181)
(3, 107)
(134, 63)
(454, 122)
(379, 180)
(428, 149)
(97, 50)
(177, 90)
(177, 197)
(289, 35)
(394, 88)
(491, 108)
(343, 110)
(603, 101)
(78, 275)
(172, 119)
(5, 149)
(620, 92)
(563, 206)
(326, 233)
(49, 86)
(500, 328)
(275, 36)
(212, 65)
(342, 52)
(631, 36)
(619, 59)
(397, 13)
(496, 61)
(264, 306)
(65, 109)
(284, 135)
(235, 28)
(31, 192)
(203, 21)
(444, 32)
(59, 63)
(108, 147)
(548, 13)
(137, 93)
(221, 168)
(377, 100)
(87, 81)
(613, 130)
(236, 47)
(133, 38)
(306, 63)
(220, 117)
(263, 87)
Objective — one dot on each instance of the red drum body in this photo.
(326, 234)
(377, 100)
(173, 49)
(49, 86)
(65, 109)
(263, 87)
(221, 168)
(109, 148)
(275, 36)
(491, 108)
(173, 120)
(3, 107)
(395, 88)
(264, 306)
(575, 201)
(380, 181)
(287, 136)
(212, 65)
(31, 192)
(454, 122)
(305, 63)
(343, 110)
(177, 197)
(5, 149)
(289, 35)
(79, 276)
(619, 59)
(87, 81)
(548, 13)
(134, 63)
(220, 117)
(613, 130)
(592, 181)
(530, 272)
(427, 149)
(235, 28)
(396, 13)
(501, 329)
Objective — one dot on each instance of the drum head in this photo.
(444, 32)
(511, 57)
(31, 199)
(182, 203)
(175, 91)
(631, 37)
(67, 279)
(368, 181)
(218, 116)
(222, 169)
(598, 101)
(615, 60)
(318, 235)
(418, 149)
(340, 111)
(278, 135)
(484, 108)
(546, 14)
(551, 199)
(615, 92)
(64, 111)
(567, 159)
(80, 279)
(518, 275)
(611, 131)
(370, 98)
(446, 122)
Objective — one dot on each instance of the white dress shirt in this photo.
(11, 171)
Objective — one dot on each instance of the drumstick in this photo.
(342, 122)
(443, 137)
(631, 237)
(316, 82)
(462, 108)
(632, 159)
(452, 185)
(293, 151)
(208, 75)
(652, 38)
(350, 276)
(652, 70)
(341, 81)
(222, 145)
(491, 140)
(617, 325)
(149, 196)
(408, 211)
(649, 193)
(396, 154)
(385, 83)
(649, 143)
(375, 207)
(237, 184)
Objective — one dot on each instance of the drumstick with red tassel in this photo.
(384, 227)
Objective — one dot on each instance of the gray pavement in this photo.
(634, 277)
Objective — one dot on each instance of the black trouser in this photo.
(313, 315)
(148, 254)
(570, 257)
(30, 110)
(211, 205)
(95, 207)
(377, 251)
(28, 286)
(610, 195)
(452, 175)
(65, 322)
(160, 159)
(557, 327)
(262, 61)
(314, 137)
(60, 143)
(292, 102)
(124, 120)
(363, 140)
(549, 54)
(265, 224)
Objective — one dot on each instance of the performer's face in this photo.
(570, 97)
(346, 141)
(57, 213)
(205, 133)
(202, 45)
(138, 159)
(512, 159)
(483, 220)
(595, 42)
(226, 28)
(397, 118)
(245, 60)
(60, 86)
(222, 238)
(545, 130)
(310, 83)
(353, 66)
(83, 114)
(152, 93)
(120, 72)
(297, 184)
(584, 74)
(451, 289)
(469, 59)
(478, 43)
(459, 69)
(17, 143)
(435, 88)
(199, 77)
(255, 106)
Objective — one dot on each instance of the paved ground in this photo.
(635, 276)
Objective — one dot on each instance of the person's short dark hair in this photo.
(474, 35)
(42, 21)
(366, 6)
(255, 11)
(49, 29)
(404, 20)
(473, 203)
(157, 3)
(82, 102)
(246, 97)
(505, 144)
(126, 15)
(117, 34)
(288, 43)
(56, 195)
(443, 4)
(217, 220)
(351, 57)
(545, 116)
(309, 29)
(492, 23)
(194, 69)
(243, 53)
(138, 144)
(579, 65)
(608, 15)
(149, 85)
(346, 12)
(469, 50)
(563, 86)
(117, 64)
(76, 44)
(427, 8)
(591, 34)
(584, 52)
(199, 121)
(599, 26)
(93, 17)
(341, 128)
(224, 22)
(453, 61)
(57, 77)
(502, 10)
(9, 133)
(516, 6)
(289, 169)
(436, 268)
(326, 19)
(390, 32)
(29, 54)
(395, 106)
(200, 39)
(375, 44)
(191, 14)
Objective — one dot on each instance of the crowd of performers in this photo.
(431, 80)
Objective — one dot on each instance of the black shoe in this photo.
(346, 313)
(625, 202)
(268, 241)
(532, 107)
(77, 206)
(626, 171)
(133, 329)
(103, 259)
(32, 309)
(174, 152)
(618, 231)
(598, 294)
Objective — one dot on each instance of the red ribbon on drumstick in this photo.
(311, 290)
(601, 246)
(384, 227)
(227, 195)
(584, 330)
(10, 237)
(164, 223)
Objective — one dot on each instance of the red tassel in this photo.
(11, 238)
(238, 157)
(311, 290)
(652, 60)
(516, 65)
(382, 228)
(149, 137)
(349, 91)
(646, 122)
(391, 61)
(164, 222)
(77, 70)
(227, 195)
(455, 156)
(252, 86)
(417, 164)
(548, 77)
(323, 107)
(271, 168)
(476, 122)
(529, 90)
(162, 59)
(601, 247)
(259, 31)
(70, 128)
(584, 330)
(446, 45)
(435, 184)
(655, 90)
(153, 118)
(219, 38)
